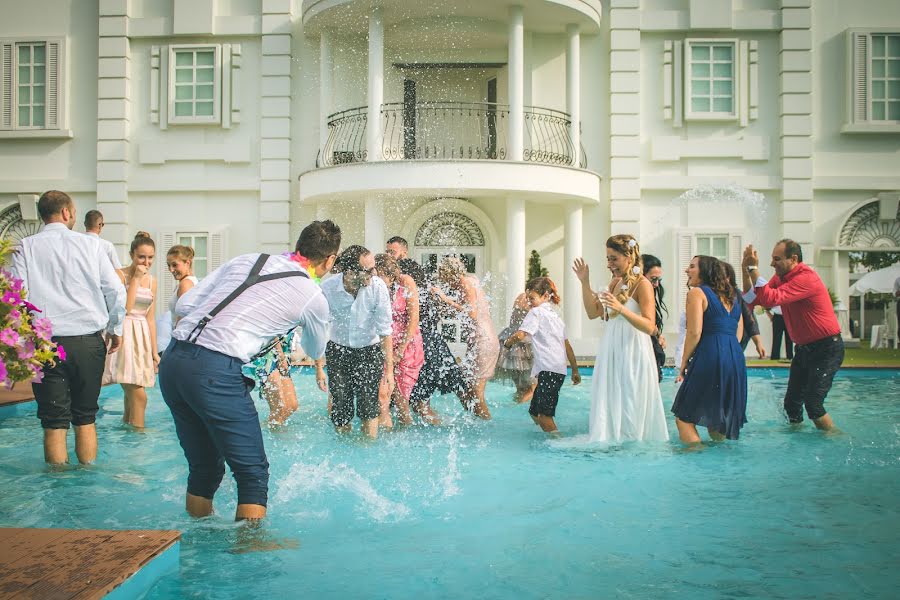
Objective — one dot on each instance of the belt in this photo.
(829, 338)
(74, 337)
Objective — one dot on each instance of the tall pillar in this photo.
(114, 123)
(515, 250)
(625, 120)
(376, 86)
(573, 89)
(796, 123)
(374, 221)
(325, 87)
(516, 83)
(572, 305)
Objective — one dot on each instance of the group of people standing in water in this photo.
(374, 330)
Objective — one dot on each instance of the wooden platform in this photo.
(82, 563)
(21, 392)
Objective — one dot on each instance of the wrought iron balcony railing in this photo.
(450, 131)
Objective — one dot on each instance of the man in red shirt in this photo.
(810, 321)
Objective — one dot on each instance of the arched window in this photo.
(13, 227)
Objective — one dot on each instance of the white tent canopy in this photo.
(877, 282)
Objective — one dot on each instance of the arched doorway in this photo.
(13, 227)
(872, 226)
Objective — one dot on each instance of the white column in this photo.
(325, 87)
(573, 88)
(572, 306)
(516, 83)
(376, 85)
(515, 250)
(374, 225)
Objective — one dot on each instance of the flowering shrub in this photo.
(24, 337)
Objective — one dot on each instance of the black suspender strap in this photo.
(252, 279)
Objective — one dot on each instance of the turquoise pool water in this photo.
(496, 510)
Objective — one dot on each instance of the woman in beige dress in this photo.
(134, 364)
(482, 345)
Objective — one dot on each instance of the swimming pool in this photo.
(496, 510)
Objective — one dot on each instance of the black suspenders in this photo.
(252, 279)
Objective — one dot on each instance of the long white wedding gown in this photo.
(626, 403)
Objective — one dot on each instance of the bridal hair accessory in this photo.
(636, 270)
(304, 262)
(632, 243)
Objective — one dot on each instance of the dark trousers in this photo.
(69, 391)
(779, 330)
(215, 420)
(812, 373)
(659, 354)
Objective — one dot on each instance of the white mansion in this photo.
(483, 127)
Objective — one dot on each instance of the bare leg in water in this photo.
(135, 405)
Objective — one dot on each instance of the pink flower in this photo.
(9, 337)
(31, 307)
(61, 352)
(26, 351)
(43, 328)
(15, 319)
(11, 297)
(3, 372)
(38, 376)
(15, 284)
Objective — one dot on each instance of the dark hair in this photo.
(791, 248)
(348, 260)
(659, 292)
(319, 240)
(713, 275)
(398, 240)
(52, 202)
(142, 238)
(544, 285)
(92, 218)
(410, 267)
(385, 263)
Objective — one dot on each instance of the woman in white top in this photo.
(625, 399)
(180, 260)
(551, 350)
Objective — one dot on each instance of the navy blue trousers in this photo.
(215, 420)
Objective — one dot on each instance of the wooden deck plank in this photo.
(58, 563)
(94, 567)
(7, 534)
(21, 392)
(25, 543)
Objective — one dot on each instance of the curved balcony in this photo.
(450, 131)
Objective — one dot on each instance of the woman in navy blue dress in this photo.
(713, 373)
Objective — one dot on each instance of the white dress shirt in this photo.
(108, 248)
(263, 312)
(361, 321)
(69, 277)
(548, 339)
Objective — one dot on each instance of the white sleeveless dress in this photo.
(626, 403)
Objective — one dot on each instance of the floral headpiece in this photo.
(304, 262)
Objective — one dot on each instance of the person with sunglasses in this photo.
(359, 355)
(654, 273)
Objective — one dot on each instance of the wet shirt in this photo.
(261, 313)
(361, 321)
(804, 300)
(548, 339)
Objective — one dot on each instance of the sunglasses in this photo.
(655, 280)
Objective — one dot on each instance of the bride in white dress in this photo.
(625, 399)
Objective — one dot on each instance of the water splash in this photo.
(306, 480)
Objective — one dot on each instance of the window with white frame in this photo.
(31, 94)
(200, 243)
(874, 75)
(709, 80)
(713, 245)
(194, 84)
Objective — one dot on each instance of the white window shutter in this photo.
(860, 77)
(54, 83)
(218, 248)
(154, 83)
(684, 252)
(235, 73)
(6, 85)
(166, 287)
(736, 253)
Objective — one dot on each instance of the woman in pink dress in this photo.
(134, 364)
(409, 353)
(482, 344)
